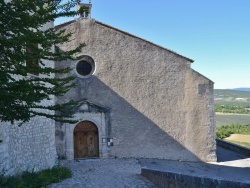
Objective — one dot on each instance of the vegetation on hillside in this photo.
(226, 93)
(242, 89)
(226, 130)
(232, 109)
(243, 104)
(35, 179)
(232, 101)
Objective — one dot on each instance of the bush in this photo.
(35, 179)
(232, 109)
(226, 130)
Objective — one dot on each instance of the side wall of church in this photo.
(200, 116)
(30, 146)
(147, 89)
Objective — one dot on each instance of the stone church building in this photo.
(138, 99)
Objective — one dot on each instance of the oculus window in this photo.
(85, 67)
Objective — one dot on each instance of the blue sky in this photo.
(215, 33)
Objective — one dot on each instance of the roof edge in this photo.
(202, 75)
(59, 26)
(132, 35)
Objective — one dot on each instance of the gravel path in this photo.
(104, 173)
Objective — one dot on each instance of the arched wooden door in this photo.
(86, 143)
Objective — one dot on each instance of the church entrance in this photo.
(86, 143)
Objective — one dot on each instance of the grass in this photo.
(35, 179)
(239, 139)
(243, 144)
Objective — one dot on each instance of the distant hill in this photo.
(242, 89)
(233, 93)
(234, 102)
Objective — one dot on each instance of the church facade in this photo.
(138, 99)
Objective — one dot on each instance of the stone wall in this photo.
(29, 147)
(234, 147)
(159, 107)
(179, 180)
(200, 122)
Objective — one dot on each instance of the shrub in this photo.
(226, 130)
(35, 179)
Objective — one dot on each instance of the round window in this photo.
(85, 67)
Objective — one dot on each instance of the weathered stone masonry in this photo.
(159, 106)
(29, 147)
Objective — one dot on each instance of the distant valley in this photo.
(232, 97)
(242, 89)
(232, 106)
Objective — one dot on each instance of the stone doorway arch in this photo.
(86, 140)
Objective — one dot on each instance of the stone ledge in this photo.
(233, 147)
(177, 180)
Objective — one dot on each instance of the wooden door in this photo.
(86, 142)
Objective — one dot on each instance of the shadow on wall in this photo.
(134, 134)
(225, 155)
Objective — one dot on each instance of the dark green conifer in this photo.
(24, 49)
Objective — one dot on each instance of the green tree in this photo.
(25, 78)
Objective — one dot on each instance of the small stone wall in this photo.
(30, 147)
(233, 147)
(175, 180)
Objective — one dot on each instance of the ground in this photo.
(239, 139)
(104, 173)
(125, 173)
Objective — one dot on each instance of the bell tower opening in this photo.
(84, 9)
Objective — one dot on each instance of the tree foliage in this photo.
(232, 109)
(226, 130)
(25, 49)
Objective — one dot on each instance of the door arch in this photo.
(86, 142)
